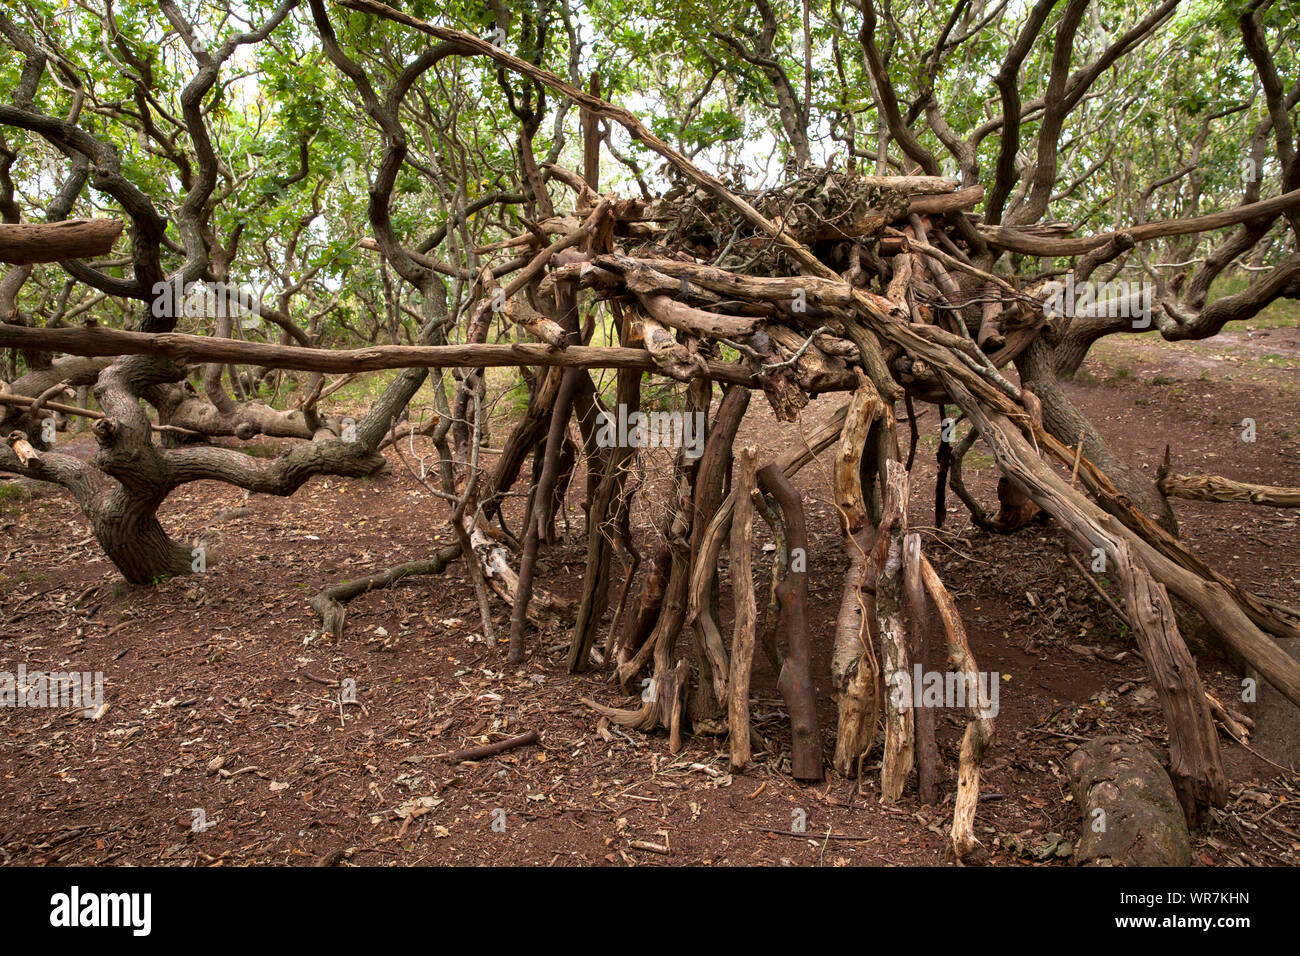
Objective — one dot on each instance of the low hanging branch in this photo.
(1026, 243)
(24, 401)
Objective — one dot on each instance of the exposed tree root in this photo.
(330, 603)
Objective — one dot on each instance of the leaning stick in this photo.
(742, 585)
(979, 730)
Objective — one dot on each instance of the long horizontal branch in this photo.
(23, 243)
(26, 401)
(1216, 488)
(194, 349)
(1015, 240)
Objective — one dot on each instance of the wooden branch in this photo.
(710, 480)
(491, 750)
(1193, 747)
(952, 262)
(855, 672)
(979, 728)
(23, 449)
(26, 401)
(21, 401)
(678, 315)
(1200, 487)
(330, 603)
(1201, 576)
(197, 349)
(28, 242)
(436, 265)
(746, 608)
(896, 764)
(535, 516)
(709, 547)
(815, 371)
(912, 185)
(967, 198)
(918, 635)
(539, 326)
(544, 610)
(795, 679)
(1194, 756)
(779, 289)
(608, 515)
(1018, 240)
(864, 408)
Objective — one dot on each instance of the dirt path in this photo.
(222, 711)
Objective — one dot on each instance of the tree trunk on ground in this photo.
(1131, 816)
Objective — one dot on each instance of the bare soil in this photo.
(223, 706)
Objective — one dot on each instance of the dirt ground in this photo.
(225, 741)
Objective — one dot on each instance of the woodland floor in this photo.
(213, 669)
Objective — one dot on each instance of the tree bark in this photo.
(746, 609)
(545, 483)
(28, 242)
(918, 639)
(795, 679)
(899, 755)
(1062, 419)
